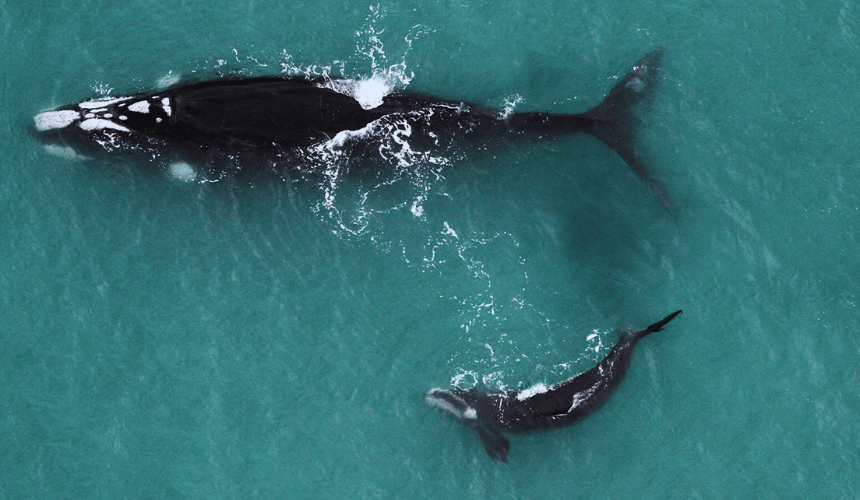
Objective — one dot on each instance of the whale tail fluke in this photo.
(614, 120)
(656, 327)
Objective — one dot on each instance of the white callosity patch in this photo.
(51, 120)
(183, 171)
(437, 402)
(532, 391)
(139, 107)
(636, 83)
(165, 103)
(460, 410)
(101, 124)
(102, 102)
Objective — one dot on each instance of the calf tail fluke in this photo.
(656, 327)
(615, 121)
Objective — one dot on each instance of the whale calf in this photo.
(276, 114)
(540, 407)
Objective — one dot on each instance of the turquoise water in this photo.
(273, 338)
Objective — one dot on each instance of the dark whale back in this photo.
(569, 401)
(275, 117)
(264, 112)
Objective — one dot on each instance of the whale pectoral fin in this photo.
(494, 442)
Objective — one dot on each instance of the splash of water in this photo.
(509, 105)
(398, 165)
(391, 207)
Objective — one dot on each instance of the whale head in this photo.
(102, 125)
(459, 403)
(462, 404)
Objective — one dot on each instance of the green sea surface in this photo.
(274, 337)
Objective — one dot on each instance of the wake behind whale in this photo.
(273, 118)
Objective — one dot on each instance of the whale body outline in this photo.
(540, 408)
(279, 113)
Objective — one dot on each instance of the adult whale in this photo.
(271, 115)
(540, 407)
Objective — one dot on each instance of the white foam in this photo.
(581, 397)
(50, 120)
(534, 390)
(370, 93)
(183, 171)
(140, 107)
(100, 124)
(417, 209)
(510, 105)
(341, 138)
(458, 380)
(109, 141)
(101, 102)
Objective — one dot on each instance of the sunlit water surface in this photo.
(272, 337)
